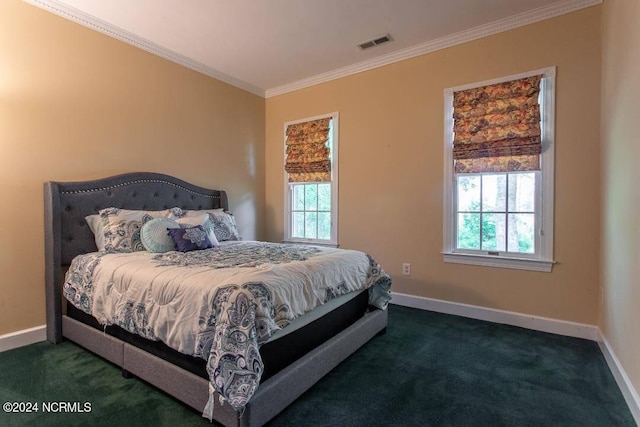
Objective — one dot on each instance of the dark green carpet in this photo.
(429, 369)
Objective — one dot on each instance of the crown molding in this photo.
(77, 16)
(526, 18)
(506, 24)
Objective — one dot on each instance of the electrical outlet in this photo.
(406, 269)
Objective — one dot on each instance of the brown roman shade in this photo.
(497, 127)
(308, 156)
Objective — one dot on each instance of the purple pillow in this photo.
(189, 239)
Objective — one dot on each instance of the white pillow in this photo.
(95, 225)
(224, 224)
(203, 220)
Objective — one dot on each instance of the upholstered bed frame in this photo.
(67, 235)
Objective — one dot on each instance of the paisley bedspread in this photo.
(220, 304)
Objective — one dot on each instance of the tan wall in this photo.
(76, 104)
(620, 313)
(391, 165)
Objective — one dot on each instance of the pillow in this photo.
(155, 237)
(121, 228)
(203, 220)
(190, 239)
(95, 225)
(224, 224)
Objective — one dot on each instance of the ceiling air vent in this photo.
(375, 42)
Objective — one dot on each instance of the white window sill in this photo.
(312, 243)
(501, 262)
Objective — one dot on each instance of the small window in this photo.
(311, 178)
(498, 207)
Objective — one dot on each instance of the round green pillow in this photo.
(155, 237)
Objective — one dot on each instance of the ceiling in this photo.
(270, 47)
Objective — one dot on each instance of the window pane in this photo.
(494, 193)
(522, 192)
(324, 225)
(468, 193)
(468, 231)
(493, 232)
(311, 225)
(298, 197)
(311, 197)
(298, 224)
(522, 233)
(324, 197)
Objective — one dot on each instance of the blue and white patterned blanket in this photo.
(220, 304)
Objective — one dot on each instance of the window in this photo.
(498, 193)
(496, 212)
(311, 180)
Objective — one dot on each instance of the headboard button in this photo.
(134, 194)
(67, 208)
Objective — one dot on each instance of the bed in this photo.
(286, 365)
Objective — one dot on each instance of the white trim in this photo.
(506, 24)
(543, 260)
(537, 323)
(23, 337)
(335, 136)
(496, 261)
(622, 379)
(510, 23)
(89, 21)
(310, 243)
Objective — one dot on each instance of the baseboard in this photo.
(622, 379)
(544, 324)
(22, 338)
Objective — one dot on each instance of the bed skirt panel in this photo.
(282, 389)
(273, 396)
(94, 340)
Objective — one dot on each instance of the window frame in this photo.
(542, 259)
(288, 187)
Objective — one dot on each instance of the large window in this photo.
(496, 213)
(498, 200)
(311, 180)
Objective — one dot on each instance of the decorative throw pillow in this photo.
(155, 236)
(204, 221)
(190, 239)
(121, 227)
(224, 224)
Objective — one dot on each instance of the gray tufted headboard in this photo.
(67, 233)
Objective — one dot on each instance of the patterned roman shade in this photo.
(497, 127)
(308, 156)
